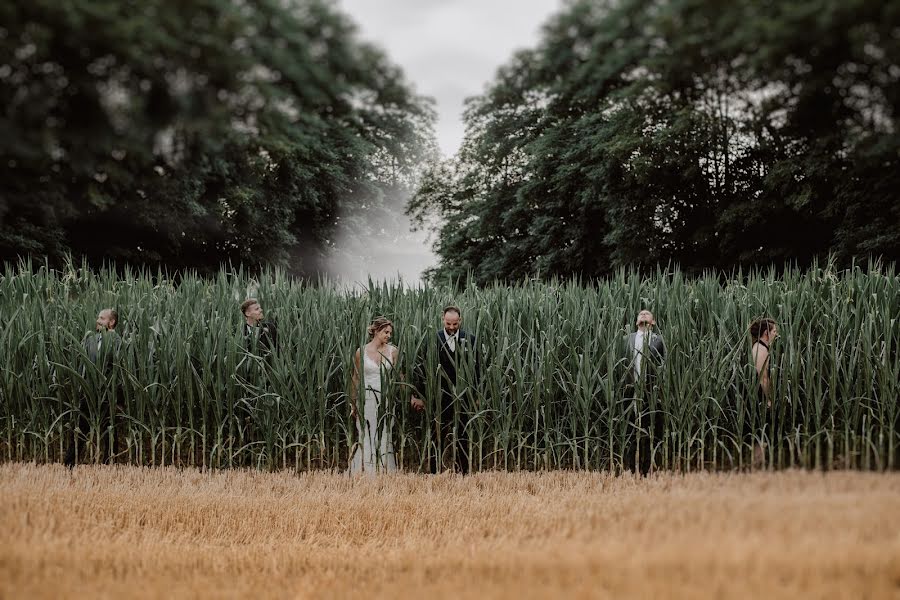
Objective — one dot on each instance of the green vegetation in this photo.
(553, 392)
(704, 133)
(191, 134)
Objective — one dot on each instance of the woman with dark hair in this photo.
(762, 333)
(375, 450)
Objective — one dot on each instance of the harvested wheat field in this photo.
(112, 531)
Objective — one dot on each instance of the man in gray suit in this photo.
(645, 351)
(105, 333)
(101, 347)
(644, 344)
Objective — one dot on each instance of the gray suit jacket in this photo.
(656, 348)
(102, 354)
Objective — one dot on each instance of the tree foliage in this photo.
(189, 134)
(712, 134)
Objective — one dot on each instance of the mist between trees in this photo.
(194, 134)
(695, 132)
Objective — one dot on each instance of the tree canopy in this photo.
(711, 134)
(194, 133)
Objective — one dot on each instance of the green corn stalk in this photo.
(551, 392)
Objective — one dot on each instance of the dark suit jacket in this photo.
(448, 361)
(656, 351)
(465, 343)
(102, 354)
(262, 339)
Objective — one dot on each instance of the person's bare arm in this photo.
(354, 387)
(761, 357)
(395, 360)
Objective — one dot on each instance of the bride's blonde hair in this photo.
(378, 323)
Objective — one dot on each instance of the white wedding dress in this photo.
(375, 451)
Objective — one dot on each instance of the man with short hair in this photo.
(261, 339)
(456, 349)
(259, 333)
(645, 352)
(107, 319)
(644, 344)
(101, 348)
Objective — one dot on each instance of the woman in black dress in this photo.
(762, 333)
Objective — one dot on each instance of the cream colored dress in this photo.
(375, 451)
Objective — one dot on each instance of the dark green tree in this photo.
(714, 135)
(188, 134)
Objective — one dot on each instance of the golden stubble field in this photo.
(129, 532)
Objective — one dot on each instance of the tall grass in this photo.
(553, 389)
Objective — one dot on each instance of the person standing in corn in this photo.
(644, 344)
(763, 332)
(645, 352)
(373, 364)
(101, 347)
(261, 340)
(457, 352)
(261, 335)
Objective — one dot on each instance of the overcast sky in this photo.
(449, 49)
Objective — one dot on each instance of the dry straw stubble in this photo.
(158, 532)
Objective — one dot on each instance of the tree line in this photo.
(705, 133)
(192, 134)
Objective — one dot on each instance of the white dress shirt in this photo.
(451, 340)
(638, 351)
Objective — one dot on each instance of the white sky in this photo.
(450, 49)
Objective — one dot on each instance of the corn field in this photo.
(553, 390)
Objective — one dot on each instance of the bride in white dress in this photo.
(375, 450)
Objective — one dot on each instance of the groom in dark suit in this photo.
(260, 335)
(457, 362)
